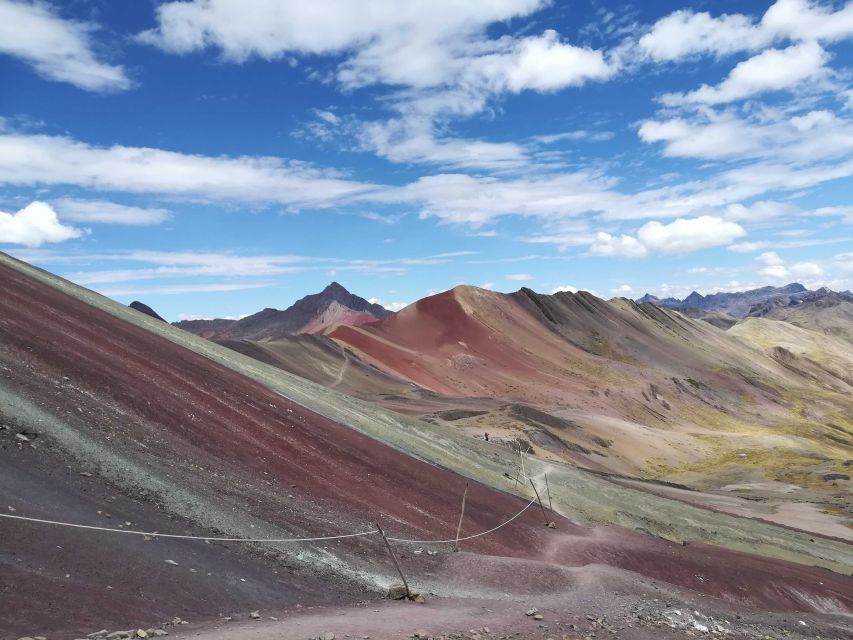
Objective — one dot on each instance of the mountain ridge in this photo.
(313, 313)
(736, 303)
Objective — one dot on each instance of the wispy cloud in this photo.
(177, 289)
(57, 49)
(105, 212)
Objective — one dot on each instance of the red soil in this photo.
(439, 345)
(184, 408)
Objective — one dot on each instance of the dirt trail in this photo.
(594, 611)
(344, 366)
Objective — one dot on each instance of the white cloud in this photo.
(814, 120)
(34, 225)
(439, 55)
(519, 277)
(806, 270)
(57, 49)
(624, 245)
(185, 288)
(396, 306)
(487, 285)
(844, 261)
(541, 63)
(760, 211)
(770, 259)
(777, 272)
(190, 264)
(391, 306)
(168, 265)
(623, 290)
(691, 234)
(680, 236)
(719, 138)
(102, 211)
(410, 44)
(564, 288)
(775, 268)
(747, 247)
(44, 160)
(685, 33)
(413, 140)
(579, 134)
(475, 200)
(810, 137)
(770, 70)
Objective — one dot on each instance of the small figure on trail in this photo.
(487, 436)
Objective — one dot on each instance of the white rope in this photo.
(265, 540)
(173, 535)
(476, 535)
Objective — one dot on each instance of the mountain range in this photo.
(706, 468)
(736, 304)
(312, 314)
(613, 370)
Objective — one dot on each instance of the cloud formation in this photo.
(34, 225)
(46, 160)
(680, 236)
(105, 212)
(770, 70)
(58, 49)
(686, 33)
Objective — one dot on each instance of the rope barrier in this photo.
(476, 535)
(257, 540)
(184, 537)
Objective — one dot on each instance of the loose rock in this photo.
(397, 591)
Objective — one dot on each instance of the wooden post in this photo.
(544, 515)
(461, 515)
(396, 564)
(550, 508)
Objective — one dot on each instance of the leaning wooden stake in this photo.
(396, 564)
(550, 508)
(461, 515)
(544, 515)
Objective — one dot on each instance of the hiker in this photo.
(487, 436)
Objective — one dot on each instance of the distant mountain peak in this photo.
(335, 287)
(310, 313)
(736, 304)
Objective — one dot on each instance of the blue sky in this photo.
(214, 157)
